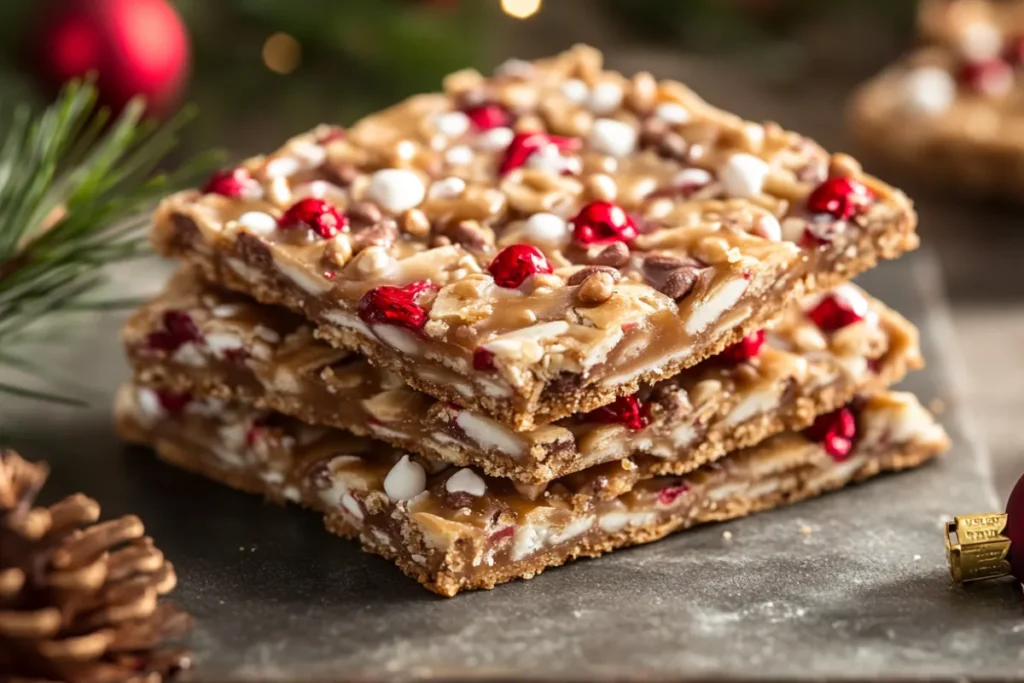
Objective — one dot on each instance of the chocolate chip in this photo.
(383, 234)
(363, 214)
(469, 234)
(663, 263)
(254, 252)
(657, 135)
(562, 384)
(583, 273)
(614, 255)
(186, 232)
(342, 174)
(681, 282)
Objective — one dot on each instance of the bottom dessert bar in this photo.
(454, 529)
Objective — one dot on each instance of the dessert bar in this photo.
(453, 529)
(951, 111)
(535, 244)
(199, 340)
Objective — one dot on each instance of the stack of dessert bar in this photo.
(950, 111)
(542, 315)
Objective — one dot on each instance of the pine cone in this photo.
(79, 600)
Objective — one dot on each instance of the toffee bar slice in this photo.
(452, 529)
(199, 340)
(538, 243)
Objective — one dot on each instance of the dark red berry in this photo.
(991, 77)
(488, 116)
(178, 330)
(744, 349)
(626, 410)
(668, 495)
(317, 215)
(514, 264)
(483, 360)
(835, 431)
(603, 223)
(172, 402)
(834, 313)
(842, 198)
(235, 182)
(503, 533)
(525, 144)
(1014, 52)
(396, 305)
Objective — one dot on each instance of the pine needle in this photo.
(75, 191)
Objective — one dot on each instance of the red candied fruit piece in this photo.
(626, 410)
(744, 349)
(514, 264)
(331, 134)
(178, 330)
(842, 198)
(835, 431)
(1014, 52)
(670, 494)
(488, 116)
(483, 360)
(603, 222)
(174, 403)
(396, 305)
(502, 534)
(833, 313)
(318, 215)
(234, 182)
(991, 77)
(525, 144)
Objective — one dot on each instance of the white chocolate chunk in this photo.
(258, 222)
(407, 479)
(466, 481)
(605, 98)
(612, 137)
(743, 175)
(672, 113)
(396, 189)
(980, 41)
(222, 342)
(546, 227)
(459, 155)
(769, 228)
(452, 124)
(711, 309)
(929, 90)
(575, 90)
(488, 433)
(495, 139)
(447, 188)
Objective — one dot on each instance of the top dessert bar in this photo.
(537, 243)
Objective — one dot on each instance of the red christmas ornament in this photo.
(317, 215)
(514, 264)
(603, 223)
(626, 410)
(841, 197)
(987, 546)
(396, 305)
(744, 349)
(135, 47)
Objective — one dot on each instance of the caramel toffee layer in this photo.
(454, 529)
(535, 244)
(199, 340)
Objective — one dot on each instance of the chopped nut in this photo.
(615, 255)
(583, 273)
(340, 173)
(338, 251)
(601, 187)
(704, 391)
(596, 289)
(844, 166)
(662, 263)
(363, 214)
(384, 234)
(681, 282)
(643, 91)
(471, 234)
(372, 261)
(713, 250)
(415, 222)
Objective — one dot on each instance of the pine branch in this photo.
(75, 190)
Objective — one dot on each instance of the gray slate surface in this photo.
(865, 594)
